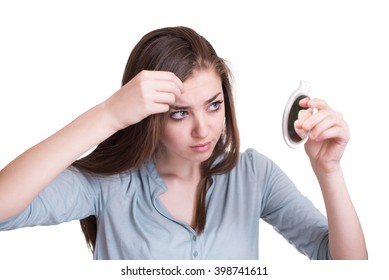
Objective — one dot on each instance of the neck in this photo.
(175, 167)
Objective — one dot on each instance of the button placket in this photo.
(195, 254)
(195, 249)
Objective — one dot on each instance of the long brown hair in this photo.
(179, 50)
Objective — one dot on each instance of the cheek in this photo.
(220, 122)
(172, 136)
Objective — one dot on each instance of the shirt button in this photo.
(195, 254)
(194, 238)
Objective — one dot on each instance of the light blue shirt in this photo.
(134, 224)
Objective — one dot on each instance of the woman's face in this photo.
(196, 120)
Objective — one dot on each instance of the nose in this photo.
(200, 127)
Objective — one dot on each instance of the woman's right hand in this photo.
(148, 93)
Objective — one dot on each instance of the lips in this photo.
(202, 147)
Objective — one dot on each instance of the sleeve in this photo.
(289, 212)
(70, 196)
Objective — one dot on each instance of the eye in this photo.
(179, 115)
(215, 106)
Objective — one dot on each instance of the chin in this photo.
(200, 158)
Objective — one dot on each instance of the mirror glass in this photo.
(291, 111)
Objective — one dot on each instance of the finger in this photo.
(304, 102)
(318, 104)
(172, 77)
(299, 130)
(310, 122)
(326, 123)
(336, 132)
(159, 108)
(320, 115)
(166, 76)
(167, 86)
(164, 98)
(303, 115)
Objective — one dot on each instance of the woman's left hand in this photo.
(327, 131)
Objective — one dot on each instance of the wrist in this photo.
(330, 179)
(109, 116)
(326, 168)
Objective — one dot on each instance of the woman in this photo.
(167, 181)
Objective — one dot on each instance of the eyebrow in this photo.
(184, 107)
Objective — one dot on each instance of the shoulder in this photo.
(253, 161)
(95, 183)
(259, 167)
(253, 154)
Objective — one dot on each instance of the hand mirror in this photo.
(291, 111)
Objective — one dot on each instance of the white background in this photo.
(59, 58)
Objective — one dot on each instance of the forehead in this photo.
(199, 87)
